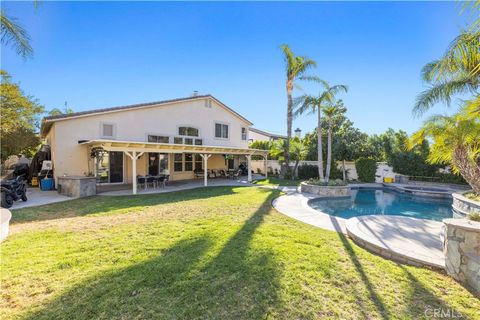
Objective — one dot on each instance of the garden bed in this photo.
(464, 206)
(325, 190)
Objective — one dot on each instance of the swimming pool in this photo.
(384, 202)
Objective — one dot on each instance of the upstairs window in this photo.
(188, 131)
(107, 130)
(221, 131)
(244, 133)
(158, 139)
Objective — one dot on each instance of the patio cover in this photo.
(134, 149)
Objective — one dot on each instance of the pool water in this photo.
(385, 202)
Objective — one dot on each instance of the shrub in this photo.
(335, 172)
(451, 178)
(366, 169)
(474, 216)
(331, 183)
(307, 171)
(288, 175)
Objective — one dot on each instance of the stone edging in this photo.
(463, 205)
(325, 191)
(463, 224)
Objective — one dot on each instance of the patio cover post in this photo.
(249, 167)
(134, 156)
(205, 157)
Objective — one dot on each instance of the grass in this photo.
(217, 253)
(277, 182)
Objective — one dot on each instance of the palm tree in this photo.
(296, 67)
(456, 141)
(331, 112)
(313, 104)
(15, 34)
(298, 151)
(456, 72)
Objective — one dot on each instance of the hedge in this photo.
(366, 169)
(308, 171)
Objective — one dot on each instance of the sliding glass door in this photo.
(157, 163)
(109, 166)
(116, 166)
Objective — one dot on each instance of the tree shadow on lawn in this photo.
(182, 283)
(419, 301)
(105, 204)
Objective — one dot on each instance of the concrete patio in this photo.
(37, 197)
(126, 189)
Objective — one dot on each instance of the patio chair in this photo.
(160, 181)
(141, 181)
(167, 178)
(237, 174)
(198, 173)
(151, 181)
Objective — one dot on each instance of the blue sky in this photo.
(103, 54)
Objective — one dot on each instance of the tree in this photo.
(457, 71)
(296, 67)
(456, 142)
(350, 143)
(313, 104)
(20, 115)
(15, 35)
(57, 111)
(331, 112)
(298, 151)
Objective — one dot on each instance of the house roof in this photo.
(48, 121)
(268, 134)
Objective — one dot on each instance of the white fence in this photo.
(383, 170)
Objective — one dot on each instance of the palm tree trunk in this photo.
(319, 142)
(343, 170)
(289, 123)
(469, 170)
(295, 173)
(329, 151)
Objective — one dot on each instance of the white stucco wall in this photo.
(383, 169)
(255, 136)
(70, 158)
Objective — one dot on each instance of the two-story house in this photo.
(172, 137)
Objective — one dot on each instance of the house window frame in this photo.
(182, 161)
(114, 130)
(221, 133)
(183, 137)
(157, 135)
(244, 137)
(177, 132)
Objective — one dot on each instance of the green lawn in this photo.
(220, 253)
(277, 182)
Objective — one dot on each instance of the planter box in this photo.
(462, 252)
(463, 206)
(325, 191)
